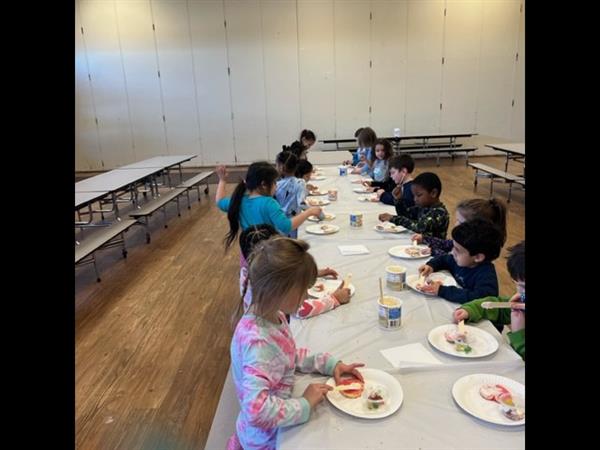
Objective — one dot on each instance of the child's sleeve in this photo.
(314, 306)
(261, 373)
(438, 246)
(442, 262)
(320, 362)
(300, 192)
(484, 286)
(278, 217)
(408, 217)
(517, 341)
(477, 313)
(223, 204)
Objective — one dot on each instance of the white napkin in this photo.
(353, 250)
(411, 353)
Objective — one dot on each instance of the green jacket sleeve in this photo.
(477, 313)
(517, 341)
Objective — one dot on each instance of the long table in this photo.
(162, 163)
(428, 418)
(512, 150)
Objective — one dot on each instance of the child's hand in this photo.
(385, 217)
(314, 211)
(341, 368)
(327, 271)
(417, 237)
(366, 183)
(343, 295)
(460, 314)
(517, 316)
(311, 187)
(432, 288)
(425, 270)
(379, 193)
(315, 393)
(221, 172)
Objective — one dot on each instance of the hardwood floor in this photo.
(152, 339)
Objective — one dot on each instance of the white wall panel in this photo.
(209, 45)
(87, 148)
(108, 82)
(280, 38)
(389, 53)
(247, 79)
(352, 56)
(423, 83)
(500, 33)
(141, 74)
(173, 41)
(317, 69)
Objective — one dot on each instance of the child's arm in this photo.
(442, 262)
(517, 341)
(438, 246)
(262, 371)
(320, 362)
(222, 174)
(408, 218)
(311, 307)
(477, 313)
(485, 285)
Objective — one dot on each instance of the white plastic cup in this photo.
(356, 219)
(390, 312)
(395, 277)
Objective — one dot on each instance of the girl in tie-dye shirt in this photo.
(310, 307)
(263, 352)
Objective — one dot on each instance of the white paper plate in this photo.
(466, 393)
(388, 227)
(330, 287)
(318, 201)
(444, 276)
(361, 190)
(398, 252)
(328, 216)
(317, 192)
(317, 178)
(482, 342)
(318, 229)
(357, 406)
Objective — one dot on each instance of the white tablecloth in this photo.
(428, 417)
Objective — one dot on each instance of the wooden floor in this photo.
(152, 339)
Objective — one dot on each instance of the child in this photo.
(263, 352)
(289, 193)
(476, 244)
(493, 210)
(473, 312)
(252, 202)
(309, 307)
(378, 163)
(366, 142)
(356, 162)
(429, 216)
(303, 173)
(301, 146)
(397, 188)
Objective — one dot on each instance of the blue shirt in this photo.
(257, 210)
(290, 194)
(476, 282)
(380, 169)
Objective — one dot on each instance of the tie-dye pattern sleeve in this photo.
(321, 362)
(262, 373)
(311, 307)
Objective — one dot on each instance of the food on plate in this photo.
(376, 398)
(327, 228)
(459, 339)
(352, 393)
(417, 251)
(492, 391)
(319, 287)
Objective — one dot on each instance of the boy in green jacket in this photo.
(474, 312)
